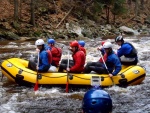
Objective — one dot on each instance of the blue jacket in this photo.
(127, 50)
(113, 64)
(47, 47)
(43, 61)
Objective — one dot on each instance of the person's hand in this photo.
(69, 48)
(37, 68)
(99, 48)
(110, 75)
(68, 69)
(37, 50)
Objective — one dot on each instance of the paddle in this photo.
(67, 83)
(106, 67)
(36, 84)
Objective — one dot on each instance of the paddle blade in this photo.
(36, 86)
(67, 87)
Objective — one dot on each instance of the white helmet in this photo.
(107, 45)
(39, 42)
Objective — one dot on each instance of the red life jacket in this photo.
(82, 49)
(49, 56)
(104, 58)
(56, 55)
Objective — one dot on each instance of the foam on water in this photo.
(133, 99)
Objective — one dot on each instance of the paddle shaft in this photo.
(67, 84)
(36, 84)
(106, 66)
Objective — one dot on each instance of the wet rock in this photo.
(1, 83)
(5, 25)
(11, 36)
(127, 30)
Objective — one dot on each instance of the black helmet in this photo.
(119, 38)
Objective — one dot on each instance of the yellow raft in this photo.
(16, 70)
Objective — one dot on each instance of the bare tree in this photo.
(16, 14)
(136, 8)
(142, 4)
(32, 19)
(20, 11)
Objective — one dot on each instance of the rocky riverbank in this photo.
(60, 20)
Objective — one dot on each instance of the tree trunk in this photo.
(107, 14)
(142, 4)
(129, 2)
(20, 11)
(136, 8)
(114, 19)
(32, 19)
(16, 10)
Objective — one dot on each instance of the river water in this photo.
(16, 99)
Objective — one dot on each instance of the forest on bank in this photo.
(35, 17)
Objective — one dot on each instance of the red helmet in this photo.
(74, 44)
(102, 43)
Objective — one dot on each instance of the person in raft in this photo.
(111, 60)
(127, 52)
(45, 58)
(56, 52)
(77, 65)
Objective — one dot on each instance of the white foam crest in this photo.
(11, 105)
(10, 46)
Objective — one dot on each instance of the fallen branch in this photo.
(127, 20)
(64, 17)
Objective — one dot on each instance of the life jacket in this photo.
(49, 56)
(59, 52)
(56, 55)
(133, 53)
(82, 49)
(104, 58)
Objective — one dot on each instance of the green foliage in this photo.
(106, 2)
(37, 33)
(118, 7)
(97, 7)
(16, 25)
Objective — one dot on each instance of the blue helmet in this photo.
(51, 41)
(97, 100)
(82, 43)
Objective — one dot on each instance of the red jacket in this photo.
(79, 61)
(56, 55)
(82, 49)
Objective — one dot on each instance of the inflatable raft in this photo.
(16, 70)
